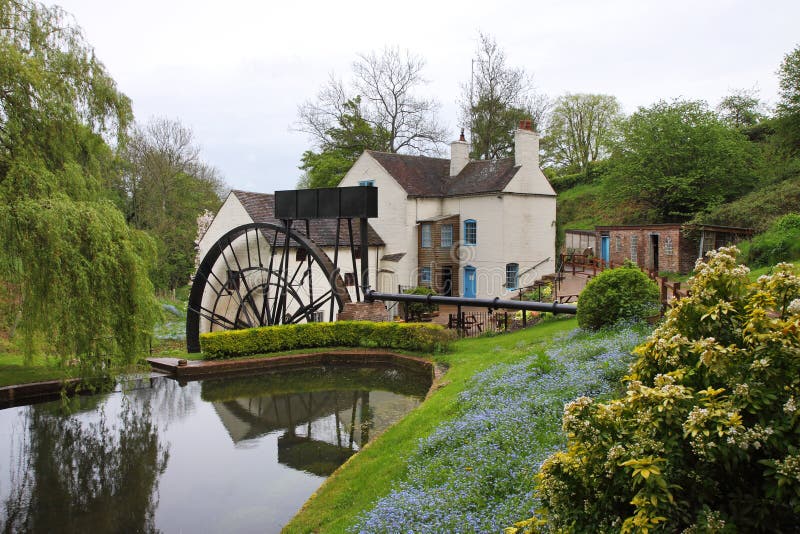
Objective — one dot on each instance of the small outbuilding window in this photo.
(367, 183)
(618, 243)
(668, 246)
(349, 279)
(635, 248)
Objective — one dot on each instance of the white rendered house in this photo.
(465, 228)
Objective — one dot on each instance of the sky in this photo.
(235, 72)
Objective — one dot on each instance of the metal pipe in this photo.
(492, 304)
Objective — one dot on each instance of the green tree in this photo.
(496, 99)
(580, 130)
(79, 272)
(678, 158)
(788, 109)
(166, 186)
(378, 109)
(741, 109)
(344, 143)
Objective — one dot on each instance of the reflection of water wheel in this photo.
(262, 274)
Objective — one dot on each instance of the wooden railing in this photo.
(592, 265)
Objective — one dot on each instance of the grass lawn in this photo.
(13, 369)
(370, 474)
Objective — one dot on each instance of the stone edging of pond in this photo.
(35, 391)
(196, 369)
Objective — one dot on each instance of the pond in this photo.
(232, 454)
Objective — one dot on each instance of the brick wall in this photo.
(364, 311)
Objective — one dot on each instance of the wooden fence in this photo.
(592, 265)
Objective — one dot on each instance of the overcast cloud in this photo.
(235, 71)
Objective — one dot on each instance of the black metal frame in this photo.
(490, 304)
(273, 286)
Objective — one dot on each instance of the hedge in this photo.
(423, 337)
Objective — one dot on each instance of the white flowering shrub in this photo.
(707, 436)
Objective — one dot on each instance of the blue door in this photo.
(605, 248)
(469, 282)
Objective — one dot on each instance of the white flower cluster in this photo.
(794, 307)
(789, 467)
(791, 406)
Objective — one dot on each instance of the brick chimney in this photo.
(526, 145)
(459, 154)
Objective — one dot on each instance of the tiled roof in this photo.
(430, 177)
(261, 208)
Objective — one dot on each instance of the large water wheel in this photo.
(261, 274)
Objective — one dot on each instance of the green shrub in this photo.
(780, 243)
(624, 293)
(421, 337)
(416, 309)
(707, 436)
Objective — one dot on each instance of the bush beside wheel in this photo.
(624, 293)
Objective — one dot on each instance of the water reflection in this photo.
(239, 454)
(319, 429)
(74, 475)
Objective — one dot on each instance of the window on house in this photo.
(512, 275)
(349, 279)
(618, 243)
(357, 252)
(425, 276)
(470, 232)
(367, 183)
(634, 248)
(447, 235)
(300, 255)
(427, 242)
(668, 246)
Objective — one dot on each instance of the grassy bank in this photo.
(13, 369)
(371, 473)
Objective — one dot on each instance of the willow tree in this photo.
(78, 273)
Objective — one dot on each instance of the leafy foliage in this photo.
(81, 273)
(706, 437)
(741, 109)
(580, 130)
(407, 336)
(496, 99)
(788, 124)
(678, 158)
(344, 143)
(758, 209)
(416, 309)
(780, 243)
(378, 109)
(620, 294)
(166, 186)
